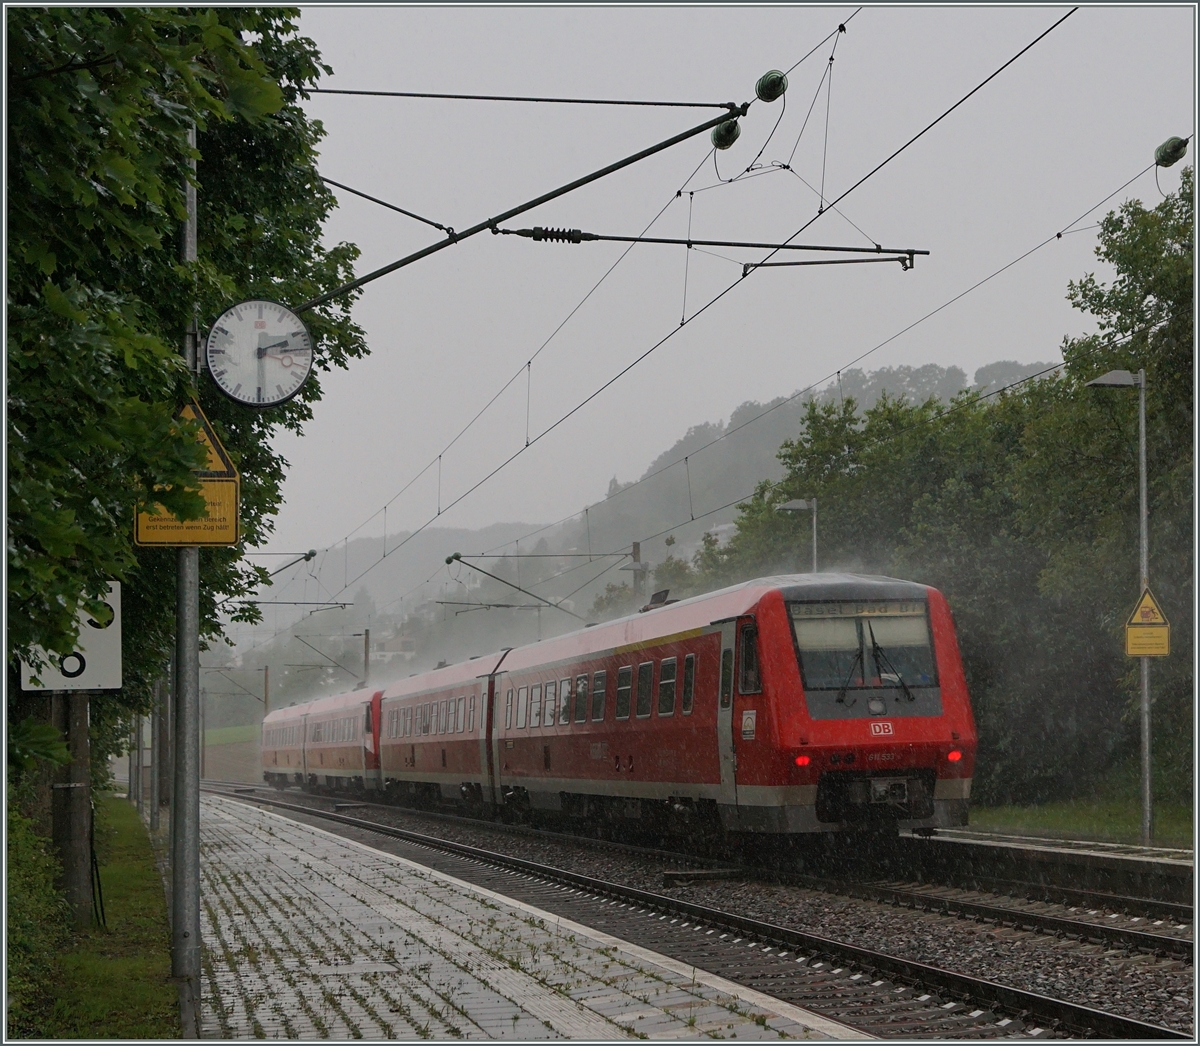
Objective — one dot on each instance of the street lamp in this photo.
(1123, 378)
(801, 505)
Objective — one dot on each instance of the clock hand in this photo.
(262, 351)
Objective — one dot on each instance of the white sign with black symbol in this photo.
(95, 663)
(748, 721)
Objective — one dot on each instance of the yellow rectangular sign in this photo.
(218, 527)
(222, 489)
(1147, 632)
(1147, 640)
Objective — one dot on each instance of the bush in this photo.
(37, 920)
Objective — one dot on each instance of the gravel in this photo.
(1144, 987)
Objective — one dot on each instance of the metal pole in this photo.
(366, 655)
(1144, 562)
(155, 757)
(185, 818)
(814, 512)
(139, 726)
(266, 690)
(185, 857)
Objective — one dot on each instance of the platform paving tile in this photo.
(309, 936)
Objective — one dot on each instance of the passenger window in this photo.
(599, 693)
(551, 712)
(645, 688)
(522, 706)
(689, 683)
(624, 691)
(461, 723)
(581, 691)
(471, 715)
(535, 705)
(749, 681)
(666, 686)
(564, 701)
(726, 678)
(508, 710)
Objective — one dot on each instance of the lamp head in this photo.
(1113, 378)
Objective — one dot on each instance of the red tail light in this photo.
(954, 756)
(802, 760)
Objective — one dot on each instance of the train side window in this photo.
(599, 693)
(522, 706)
(535, 705)
(471, 715)
(645, 688)
(367, 721)
(666, 686)
(624, 691)
(581, 692)
(508, 703)
(564, 701)
(408, 712)
(726, 677)
(551, 713)
(749, 677)
(689, 683)
(462, 718)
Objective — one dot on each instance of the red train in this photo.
(804, 703)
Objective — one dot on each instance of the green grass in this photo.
(231, 735)
(115, 983)
(1105, 820)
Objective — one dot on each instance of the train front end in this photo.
(874, 723)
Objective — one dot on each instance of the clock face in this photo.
(259, 353)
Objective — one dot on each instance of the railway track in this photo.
(1089, 921)
(883, 994)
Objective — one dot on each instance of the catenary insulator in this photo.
(725, 134)
(771, 85)
(561, 235)
(1170, 152)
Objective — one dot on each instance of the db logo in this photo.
(881, 729)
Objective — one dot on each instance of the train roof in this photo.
(322, 705)
(668, 620)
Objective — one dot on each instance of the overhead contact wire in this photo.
(724, 292)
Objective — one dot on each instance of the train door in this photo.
(725, 740)
(487, 764)
(304, 751)
(495, 738)
(372, 740)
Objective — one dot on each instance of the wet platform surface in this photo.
(309, 935)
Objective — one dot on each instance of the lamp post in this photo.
(1123, 378)
(801, 505)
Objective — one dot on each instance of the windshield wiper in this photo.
(841, 698)
(881, 658)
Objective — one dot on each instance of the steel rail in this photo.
(1005, 915)
(1081, 1019)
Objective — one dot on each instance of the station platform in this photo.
(314, 936)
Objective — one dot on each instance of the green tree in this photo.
(100, 104)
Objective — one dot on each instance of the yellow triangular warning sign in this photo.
(219, 464)
(1147, 612)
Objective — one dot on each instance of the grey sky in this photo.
(1055, 133)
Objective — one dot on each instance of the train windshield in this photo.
(864, 645)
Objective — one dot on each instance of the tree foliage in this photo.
(100, 104)
(1023, 509)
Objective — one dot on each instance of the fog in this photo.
(1050, 137)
